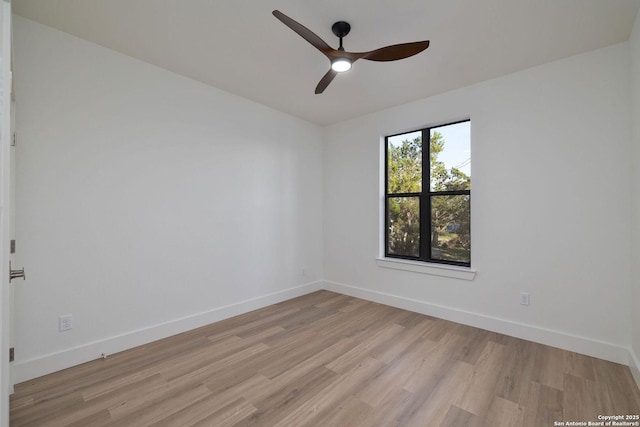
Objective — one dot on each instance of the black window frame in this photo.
(424, 197)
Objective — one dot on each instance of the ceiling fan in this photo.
(342, 60)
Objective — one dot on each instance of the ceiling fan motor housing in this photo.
(341, 28)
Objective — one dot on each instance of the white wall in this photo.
(550, 205)
(635, 73)
(149, 203)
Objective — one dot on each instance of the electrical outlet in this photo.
(65, 322)
(524, 298)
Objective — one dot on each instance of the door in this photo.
(5, 208)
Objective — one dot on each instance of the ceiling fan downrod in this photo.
(341, 29)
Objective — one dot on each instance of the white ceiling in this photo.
(238, 46)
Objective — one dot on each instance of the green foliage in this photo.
(404, 230)
(405, 167)
(443, 179)
(450, 231)
(450, 237)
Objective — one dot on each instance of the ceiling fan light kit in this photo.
(341, 65)
(342, 60)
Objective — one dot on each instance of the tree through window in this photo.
(428, 216)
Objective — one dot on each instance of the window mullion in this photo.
(425, 199)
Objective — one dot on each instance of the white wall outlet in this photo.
(65, 322)
(524, 298)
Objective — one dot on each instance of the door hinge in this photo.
(12, 354)
(13, 140)
(12, 248)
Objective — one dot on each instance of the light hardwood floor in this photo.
(326, 359)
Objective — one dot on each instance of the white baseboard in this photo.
(578, 344)
(33, 368)
(634, 365)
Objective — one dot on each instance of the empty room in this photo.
(331, 213)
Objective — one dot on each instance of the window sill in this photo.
(452, 271)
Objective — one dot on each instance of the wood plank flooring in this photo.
(326, 359)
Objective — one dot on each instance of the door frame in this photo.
(6, 132)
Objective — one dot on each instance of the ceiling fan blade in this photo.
(304, 32)
(396, 51)
(324, 82)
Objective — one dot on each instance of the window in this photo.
(428, 210)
